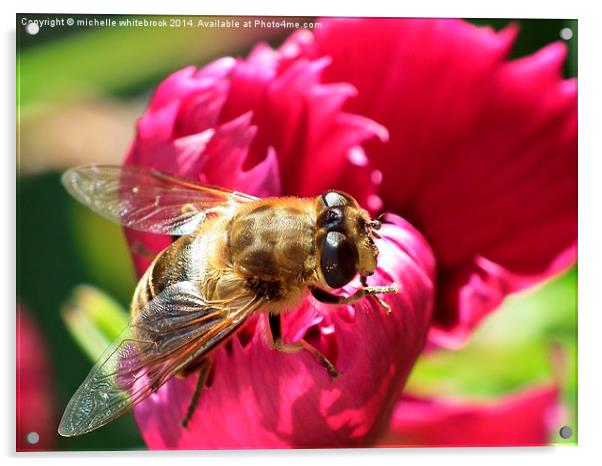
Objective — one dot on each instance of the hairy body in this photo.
(267, 248)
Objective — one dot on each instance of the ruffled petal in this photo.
(302, 120)
(482, 156)
(262, 398)
(525, 418)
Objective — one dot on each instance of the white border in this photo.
(590, 231)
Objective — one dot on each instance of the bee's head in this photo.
(345, 239)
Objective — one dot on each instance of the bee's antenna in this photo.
(382, 215)
(377, 223)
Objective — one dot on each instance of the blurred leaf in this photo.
(103, 60)
(93, 319)
(103, 247)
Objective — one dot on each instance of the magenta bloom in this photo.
(525, 418)
(35, 401)
(422, 118)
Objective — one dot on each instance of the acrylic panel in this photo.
(347, 232)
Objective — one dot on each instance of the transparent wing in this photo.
(148, 200)
(176, 328)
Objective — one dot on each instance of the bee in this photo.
(235, 255)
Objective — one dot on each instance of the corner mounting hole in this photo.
(33, 438)
(32, 28)
(566, 432)
(566, 33)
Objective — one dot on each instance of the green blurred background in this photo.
(80, 91)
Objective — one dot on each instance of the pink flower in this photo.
(525, 418)
(422, 118)
(35, 403)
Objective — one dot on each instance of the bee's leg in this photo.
(393, 289)
(275, 328)
(374, 291)
(203, 369)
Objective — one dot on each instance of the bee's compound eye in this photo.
(335, 199)
(338, 259)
